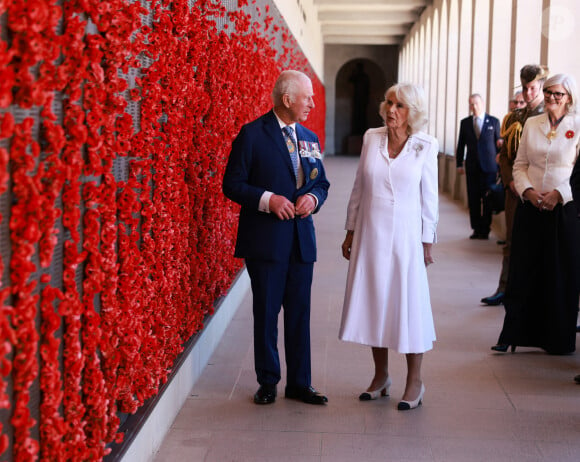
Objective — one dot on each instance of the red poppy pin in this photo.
(569, 134)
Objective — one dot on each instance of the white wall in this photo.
(307, 33)
(495, 38)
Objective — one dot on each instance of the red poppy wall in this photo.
(116, 119)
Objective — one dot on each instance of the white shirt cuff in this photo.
(264, 205)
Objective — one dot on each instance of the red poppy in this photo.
(156, 143)
(570, 134)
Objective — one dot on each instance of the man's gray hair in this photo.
(288, 83)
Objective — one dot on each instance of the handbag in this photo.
(495, 196)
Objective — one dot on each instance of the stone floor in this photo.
(478, 405)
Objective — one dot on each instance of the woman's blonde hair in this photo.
(413, 97)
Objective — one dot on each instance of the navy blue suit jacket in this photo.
(480, 151)
(259, 162)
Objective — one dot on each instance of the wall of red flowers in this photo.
(116, 119)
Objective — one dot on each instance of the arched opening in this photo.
(360, 86)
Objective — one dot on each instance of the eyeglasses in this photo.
(558, 95)
(519, 102)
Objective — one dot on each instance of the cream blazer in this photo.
(546, 164)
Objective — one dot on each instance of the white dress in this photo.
(393, 209)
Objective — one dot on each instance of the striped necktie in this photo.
(291, 145)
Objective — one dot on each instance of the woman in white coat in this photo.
(391, 222)
(541, 299)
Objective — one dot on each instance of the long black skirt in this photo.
(541, 299)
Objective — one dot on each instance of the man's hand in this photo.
(282, 207)
(305, 205)
(460, 170)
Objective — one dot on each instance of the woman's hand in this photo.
(550, 200)
(427, 254)
(346, 245)
(535, 198)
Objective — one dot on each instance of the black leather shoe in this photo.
(266, 394)
(495, 299)
(481, 236)
(577, 378)
(306, 394)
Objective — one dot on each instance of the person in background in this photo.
(479, 133)
(391, 223)
(517, 102)
(275, 173)
(532, 77)
(541, 299)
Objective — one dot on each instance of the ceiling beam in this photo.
(363, 39)
(369, 16)
(363, 29)
(374, 3)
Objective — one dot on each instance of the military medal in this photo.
(313, 173)
(310, 150)
(553, 126)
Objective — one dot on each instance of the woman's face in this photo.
(555, 98)
(397, 113)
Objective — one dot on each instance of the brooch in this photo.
(418, 148)
(570, 134)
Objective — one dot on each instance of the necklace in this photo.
(394, 154)
(553, 126)
(391, 154)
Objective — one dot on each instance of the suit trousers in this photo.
(276, 285)
(478, 182)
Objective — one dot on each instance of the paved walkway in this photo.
(478, 405)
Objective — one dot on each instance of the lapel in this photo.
(545, 124)
(308, 163)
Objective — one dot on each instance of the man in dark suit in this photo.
(479, 133)
(275, 173)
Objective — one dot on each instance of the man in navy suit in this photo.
(275, 173)
(479, 133)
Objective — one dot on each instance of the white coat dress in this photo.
(393, 209)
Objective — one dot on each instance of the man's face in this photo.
(476, 105)
(300, 106)
(532, 92)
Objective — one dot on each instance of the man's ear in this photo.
(286, 100)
